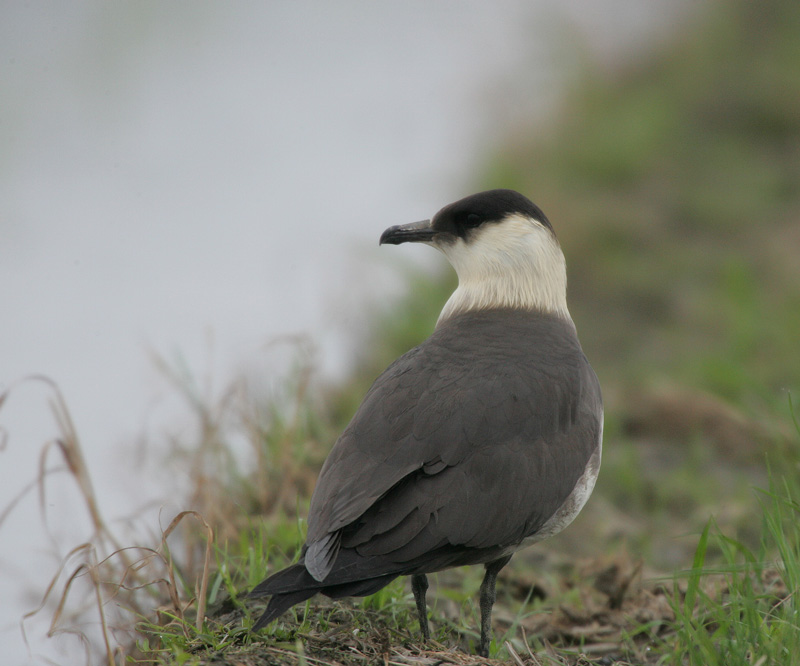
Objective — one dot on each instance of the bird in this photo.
(484, 439)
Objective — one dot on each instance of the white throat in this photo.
(516, 263)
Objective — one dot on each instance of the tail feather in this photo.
(294, 585)
(358, 588)
(279, 604)
(290, 579)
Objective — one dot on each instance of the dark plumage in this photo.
(485, 436)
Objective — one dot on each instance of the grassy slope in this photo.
(673, 185)
(673, 182)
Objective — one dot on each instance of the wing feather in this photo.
(473, 439)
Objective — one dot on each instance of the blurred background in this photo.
(191, 197)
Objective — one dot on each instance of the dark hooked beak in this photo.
(416, 232)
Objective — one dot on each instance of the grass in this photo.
(745, 610)
(736, 602)
(672, 183)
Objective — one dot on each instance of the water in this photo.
(201, 179)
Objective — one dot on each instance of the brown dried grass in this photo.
(136, 579)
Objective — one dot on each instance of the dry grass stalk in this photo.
(514, 655)
(117, 576)
(202, 592)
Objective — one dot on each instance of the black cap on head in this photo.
(460, 216)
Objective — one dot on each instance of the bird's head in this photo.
(502, 248)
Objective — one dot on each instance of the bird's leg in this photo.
(419, 586)
(488, 596)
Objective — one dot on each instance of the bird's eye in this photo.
(463, 222)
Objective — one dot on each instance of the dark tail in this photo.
(279, 604)
(287, 588)
(294, 585)
(291, 579)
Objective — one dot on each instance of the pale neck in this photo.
(523, 269)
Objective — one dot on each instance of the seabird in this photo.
(482, 440)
